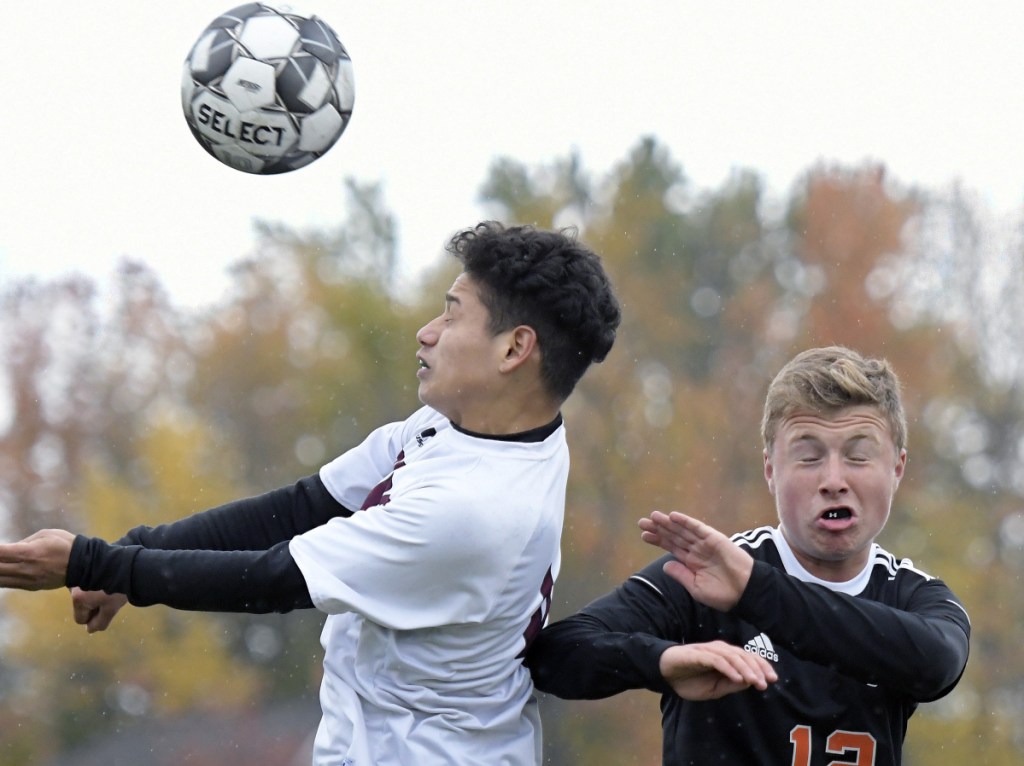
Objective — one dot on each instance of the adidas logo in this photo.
(762, 645)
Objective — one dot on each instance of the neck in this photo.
(497, 423)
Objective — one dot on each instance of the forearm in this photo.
(918, 653)
(252, 524)
(196, 580)
(580, 658)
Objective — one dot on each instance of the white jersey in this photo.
(432, 593)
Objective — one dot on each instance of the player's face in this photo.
(459, 357)
(833, 478)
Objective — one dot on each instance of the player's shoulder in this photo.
(889, 566)
(759, 542)
(908, 582)
(418, 428)
(424, 418)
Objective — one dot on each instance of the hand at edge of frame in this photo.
(39, 562)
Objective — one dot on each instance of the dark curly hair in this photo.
(550, 282)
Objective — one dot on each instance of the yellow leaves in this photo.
(151, 660)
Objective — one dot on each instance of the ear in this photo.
(901, 465)
(521, 344)
(769, 472)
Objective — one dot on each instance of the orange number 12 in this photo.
(838, 743)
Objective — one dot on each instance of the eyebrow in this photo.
(807, 438)
(449, 298)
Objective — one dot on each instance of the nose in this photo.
(428, 334)
(833, 477)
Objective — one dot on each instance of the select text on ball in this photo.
(249, 132)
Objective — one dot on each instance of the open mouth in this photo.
(837, 514)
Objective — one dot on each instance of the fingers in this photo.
(675, 532)
(100, 619)
(736, 668)
(681, 573)
(82, 611)
(95, 609)
(742, 666)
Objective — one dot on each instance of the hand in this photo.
(714, 669)
(95, 609)
(712, 568)
(39, 562)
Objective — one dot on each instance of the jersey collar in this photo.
(851, 587)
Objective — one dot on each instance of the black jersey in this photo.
(854, 659)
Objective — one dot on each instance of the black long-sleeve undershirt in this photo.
(233, 558)
(251, 524)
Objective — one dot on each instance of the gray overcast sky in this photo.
(99, 163)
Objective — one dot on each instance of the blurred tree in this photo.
(47, 333)
(306, 356)
(152, 661)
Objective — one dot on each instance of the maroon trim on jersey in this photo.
(381, 494)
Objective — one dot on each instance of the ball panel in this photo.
(268, 37)
(344, 85)
(231, 155)
(212, 55)
(188, 88)
(320, 40)
(319, 131)
(290, 163)
(235, 16)
(303, 84)
(249, 84)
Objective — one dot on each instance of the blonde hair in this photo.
(827, 380)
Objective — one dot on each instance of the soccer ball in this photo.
(266, 90)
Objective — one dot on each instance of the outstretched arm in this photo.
(229, 581)
(250, 524)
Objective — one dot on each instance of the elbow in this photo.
(945, 668)
(548, 669)
(541, 669)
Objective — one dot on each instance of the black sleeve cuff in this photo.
(94, 564)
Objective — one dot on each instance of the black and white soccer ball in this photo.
(266, 90)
